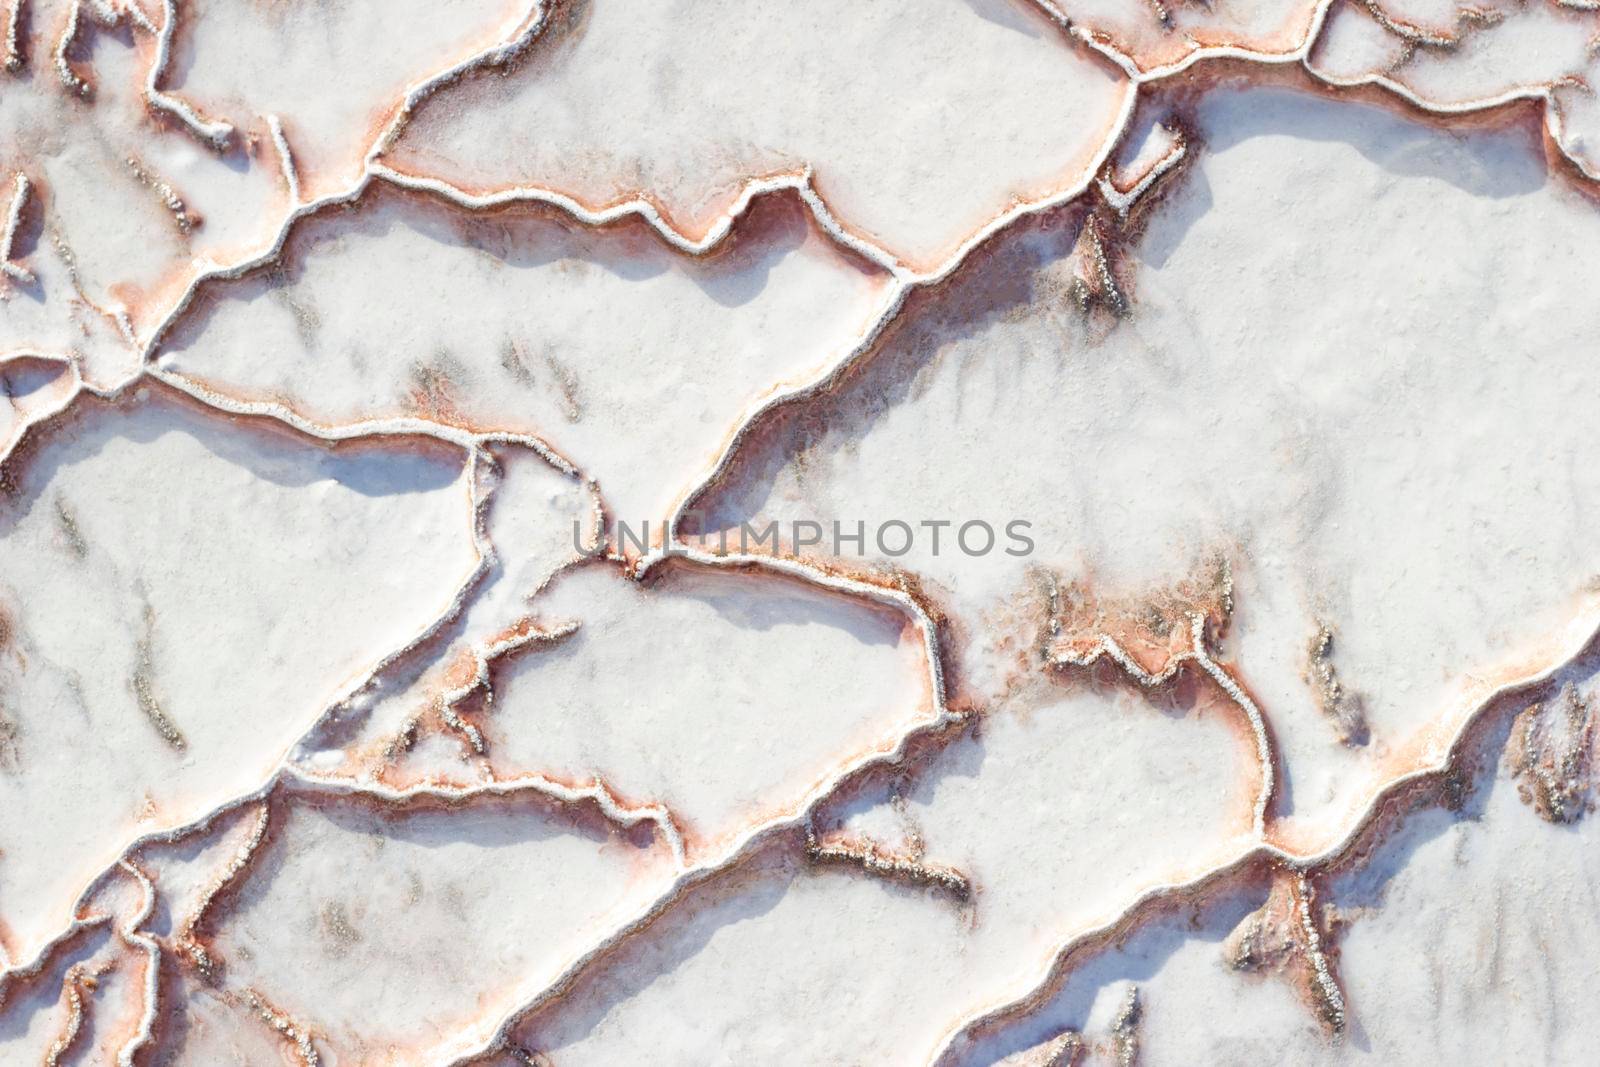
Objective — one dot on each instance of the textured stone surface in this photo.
(1025, 532)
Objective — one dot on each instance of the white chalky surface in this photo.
(972, 532)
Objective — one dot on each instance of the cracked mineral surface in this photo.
(972, 532)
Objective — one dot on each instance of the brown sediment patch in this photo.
(1152, 626)
(908, 868)
(10, 751)
(1095, 285)
(183, 217)
(461, 670)
(1344, 709)
(1284, 938)
(300, 1037)
(1267, 939)
(1422, 37)
(1551, 752)
(1120, 212)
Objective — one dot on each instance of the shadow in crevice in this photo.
(271, 453)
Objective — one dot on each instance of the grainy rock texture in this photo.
(955, 532)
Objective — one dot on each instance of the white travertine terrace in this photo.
(517, 321)
(274, 572)
(31, 388)
(342, 722)
(1157, 33)
(727, 737)
(491, 897)
(1084, 835)
(320, 70)
(527, 511)
(1459, 929)
(103, 246)
(1287, 466)
(615, 103)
